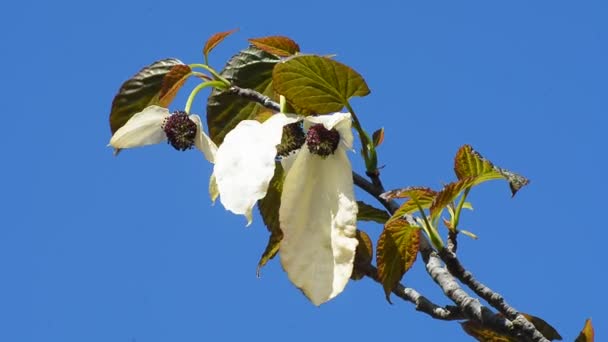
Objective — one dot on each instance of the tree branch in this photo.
(493, 298)
(514, 324)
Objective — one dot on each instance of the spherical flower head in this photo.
(322, 141)
(292, 139)
(180, 130)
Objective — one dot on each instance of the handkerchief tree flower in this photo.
(280, 137)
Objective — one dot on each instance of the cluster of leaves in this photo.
(312, 84)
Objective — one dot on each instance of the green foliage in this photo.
(417, 196)
(277, 45)
(269, 209)
(470, 164)
(318, 84)
(140, 91)
(396, 252)
(251, 68)
(371, 213)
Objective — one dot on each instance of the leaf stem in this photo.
(212, 72)
(198, 88)
(459, 208)
(367, 146)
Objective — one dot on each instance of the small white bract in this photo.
(318, 212)
(146, 128)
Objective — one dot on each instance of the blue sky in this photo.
(98, 248)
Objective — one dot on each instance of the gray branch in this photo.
(513, 323)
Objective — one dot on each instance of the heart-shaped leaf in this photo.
(140, 91)
(251, 68)
(397, 249)
(417, 196)
(319, 84)
(277, 45)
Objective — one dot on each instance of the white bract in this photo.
(318, 210)
(146, 128)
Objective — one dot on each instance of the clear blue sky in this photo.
(97, 248)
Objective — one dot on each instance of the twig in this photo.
(493, 298)
(470, 307)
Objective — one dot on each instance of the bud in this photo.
(180, 130)
(322, 141)
(292, 139)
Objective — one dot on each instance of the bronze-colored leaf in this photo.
(378, 137)
(470, 164)
(369, 213)
(277, 45)
(319, 84)
(587, 334)
(140, 91)
(214, 40)
(545, 328)
(448, 194)
(251, 68)
(172, 83)
(363, 255)
(396, 252)
(269, 209)
(417, 196)
(483, 334)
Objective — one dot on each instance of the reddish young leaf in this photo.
(468, 163)
(448, 194)
(363, 255)
(378, 137)
(396, 252)
(418, 196)
(139, 92)
(587, 334)
(171, 84)
(277, 45)
(214, 40)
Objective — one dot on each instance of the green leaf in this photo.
(397, 249)
(172, 83)
(587, 334)
(140, 91)
(277, 45)
(484, 334)
(545, 328)
(370, 213)
(269, 209)
(363, 255)
(251, 68)
(470, 164)
(214, 40)
(318, 84)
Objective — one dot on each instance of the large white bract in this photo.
(146, 128)
(318, 210)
